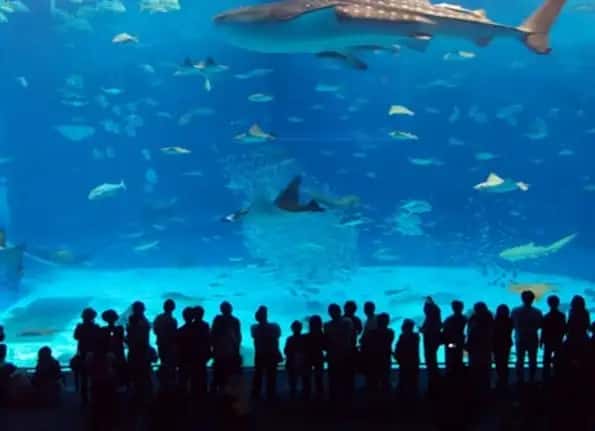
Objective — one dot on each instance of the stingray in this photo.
(342, 26)
(76, 132)
(44, 315)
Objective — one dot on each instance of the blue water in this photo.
(342, 147)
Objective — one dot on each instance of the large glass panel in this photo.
(144, 146)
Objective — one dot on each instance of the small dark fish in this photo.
(391, 292)
(215, 284)
(178, 296)
(312, 290)
(314, 305)
(235, 216)
(38, 332)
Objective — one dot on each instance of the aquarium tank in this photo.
(293, 155)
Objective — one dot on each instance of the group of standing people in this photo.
(119, 354)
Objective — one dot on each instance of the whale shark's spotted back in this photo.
(432, 19)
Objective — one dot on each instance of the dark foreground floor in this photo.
(521, 408)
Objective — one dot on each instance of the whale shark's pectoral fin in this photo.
(346, 58)
(418, 42)
(483, 41)
(289, 197)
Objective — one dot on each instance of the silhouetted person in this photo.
(165, 326)
(431, 329)
(349, 310)
(295, 360)
(377, 349)
(88, 336)
(526, 321)
(140, 354)
(226, 339)
(407, 356)
(579, 320)
(552, 334)
(502, 344)
(315, 347)
(453, 337)
(104, 396)
(338, 334)
(47, 378)
(370, 312)
(113, 341)
(365, 363)
(573, 386)
(266, 354)
(6, 371)
(194, 352)
(480, 335)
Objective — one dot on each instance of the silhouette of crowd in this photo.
(327, 360)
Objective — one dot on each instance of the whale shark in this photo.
(338, 27)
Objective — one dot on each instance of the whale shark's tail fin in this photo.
(539, 24)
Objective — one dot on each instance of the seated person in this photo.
(47, 378)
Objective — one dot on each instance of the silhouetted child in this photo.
(377, 349)
(407, 356)
(47, 378)
(552, 334)
(88, 336)
(295, 359)
(315, 347)
(453, 337)
(266, 354)
(165, 326)
(502, 344)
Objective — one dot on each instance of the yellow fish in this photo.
(400, 110)
(538, 289)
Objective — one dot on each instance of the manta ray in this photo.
(287, 200)
(334, 28)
